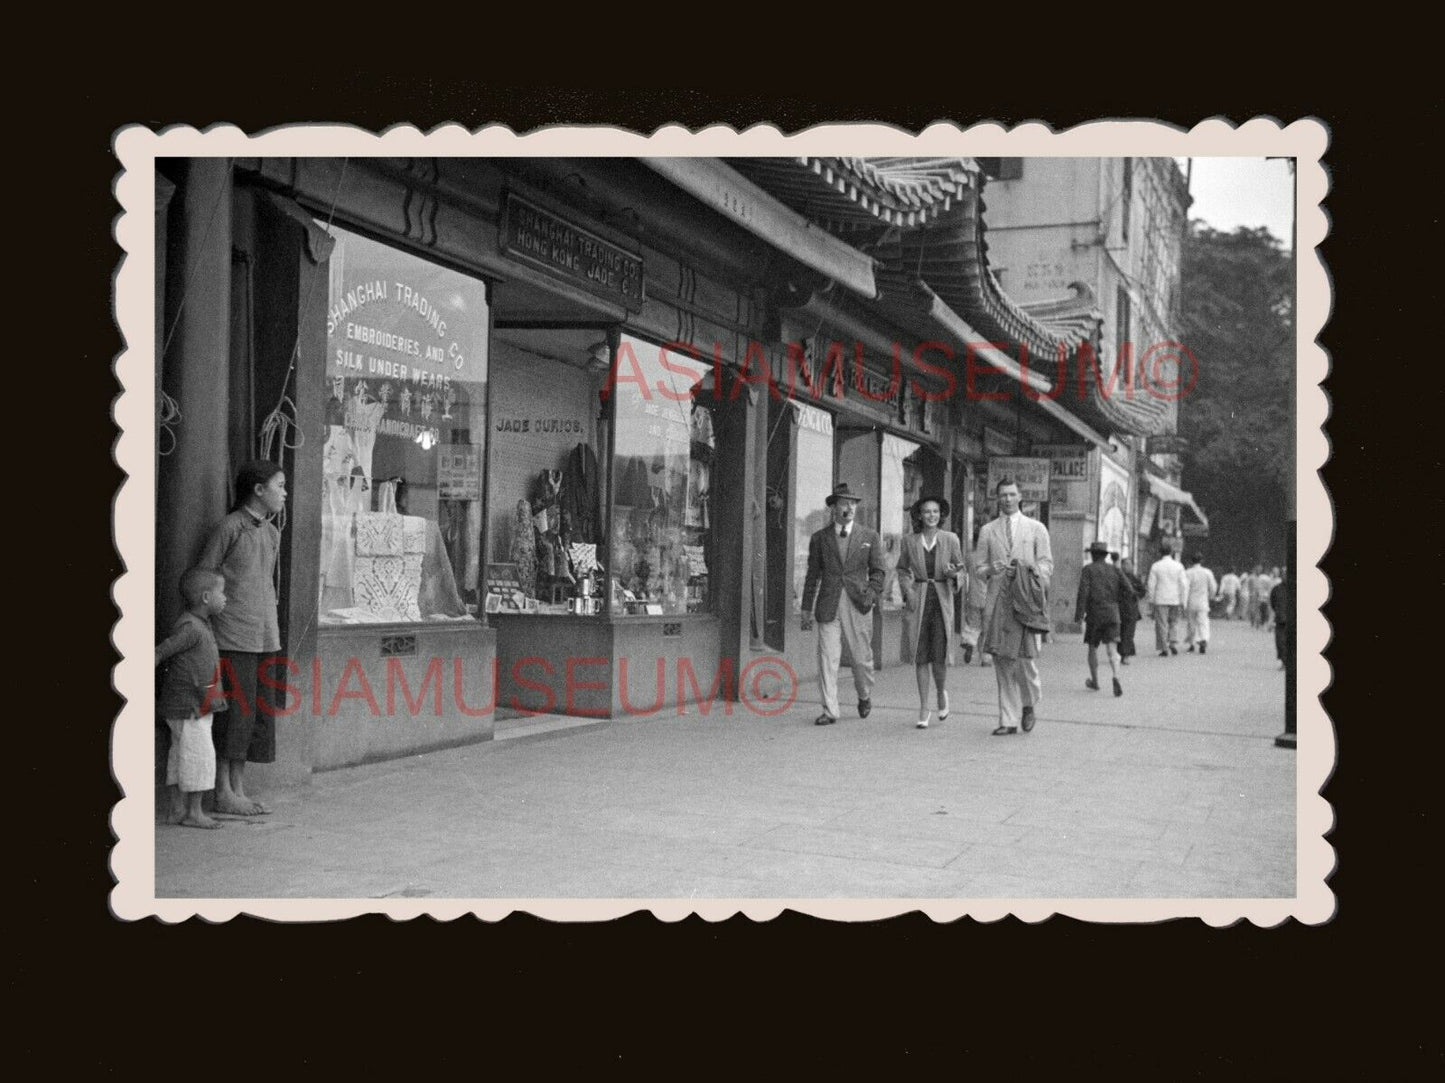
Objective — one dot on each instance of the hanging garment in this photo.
(522, 550)
(580, 491)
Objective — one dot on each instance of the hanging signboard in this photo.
(1031, 474)
(540, 237)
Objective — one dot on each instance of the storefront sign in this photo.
(1068, 476)
(813, 419)
(1032, 475)
(459, 472)
(1195, 530)
(540, 237)
(1165, 444)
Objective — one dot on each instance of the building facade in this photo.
(556, 431)
(1065, 233)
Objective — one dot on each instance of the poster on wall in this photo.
(1114, 507)
(1031, 474)
(1068, 476)
(459, 472)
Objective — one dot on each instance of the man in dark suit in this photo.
(846, 572)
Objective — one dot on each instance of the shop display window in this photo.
(665, 452)
(546, 554)
(900, 484)
(814, 472)
(404, 438)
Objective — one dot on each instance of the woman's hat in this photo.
(841, 491)
(917, 509)
(1099, 547)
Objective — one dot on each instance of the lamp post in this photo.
(1291, 591)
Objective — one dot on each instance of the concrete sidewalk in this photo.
(1175, 790)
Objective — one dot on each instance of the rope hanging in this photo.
(168, 416)
(168, 411)
(280, 431)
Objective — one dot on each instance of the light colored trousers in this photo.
(1166, 626)
(1198, 625)
(1018, 687)
(857, 629)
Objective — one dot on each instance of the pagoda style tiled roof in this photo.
(862, 195)
(923, 219)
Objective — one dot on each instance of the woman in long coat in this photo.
(930, 570)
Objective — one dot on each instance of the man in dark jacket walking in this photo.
(846, 571)
(1131, 589)
(1100, 585)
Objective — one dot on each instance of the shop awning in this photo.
(1172, 494)
(732, 195)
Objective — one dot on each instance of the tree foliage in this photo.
(1238, 300)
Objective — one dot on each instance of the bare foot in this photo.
(237, 806)
(176, 813)
(200, 820)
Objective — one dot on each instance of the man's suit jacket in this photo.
(861, 575)
(1168, 584)
(1002, 632)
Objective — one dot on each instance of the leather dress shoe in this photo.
(1173, 649)
(1003, 731)
(864, 706)
(1028, 720)
(967, 654)
(824, 719)
(1091, 684)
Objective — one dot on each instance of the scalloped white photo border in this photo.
(132, 817)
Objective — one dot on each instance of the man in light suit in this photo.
(846, 572)
(1005, 545)
(1168, 591)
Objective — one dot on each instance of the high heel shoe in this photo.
(943, 708)
(923, 722)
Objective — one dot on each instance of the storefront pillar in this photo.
(192, 485)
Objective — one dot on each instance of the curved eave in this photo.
(848, 195)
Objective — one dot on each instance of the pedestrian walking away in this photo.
(1229, 594)
(1015, 555)
(1202, 587)
(846, 572)
(930, 567)
(1131, 590)
(1255, 595)
(1097, 605)
(1168, 591)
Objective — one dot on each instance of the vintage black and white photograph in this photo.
(854, 522)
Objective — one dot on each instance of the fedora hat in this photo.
(917, 509)
(841, 491)
(1099, 547)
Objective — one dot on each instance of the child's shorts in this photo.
(191, 764)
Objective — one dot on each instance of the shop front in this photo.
(519, 442)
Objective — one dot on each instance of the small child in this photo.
(188, 691)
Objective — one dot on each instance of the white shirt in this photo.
(1167, 582)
